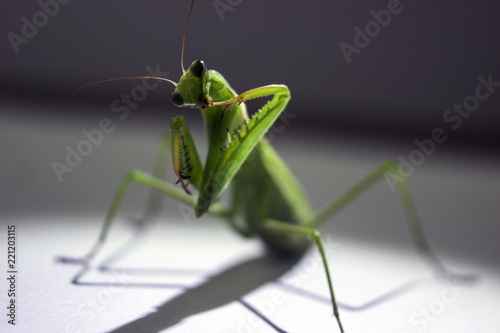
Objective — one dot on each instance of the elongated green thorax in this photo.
(217, 129)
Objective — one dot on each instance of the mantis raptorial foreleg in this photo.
(220, 170)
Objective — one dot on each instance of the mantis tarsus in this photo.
(265, 194)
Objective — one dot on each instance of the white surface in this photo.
(456, 193)
(48, 302)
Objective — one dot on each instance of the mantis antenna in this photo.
(147, 77)
(124, 78)
(184, 38)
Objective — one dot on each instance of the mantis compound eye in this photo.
(198, 68)
(177, 99)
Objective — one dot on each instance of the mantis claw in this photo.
(227, 109)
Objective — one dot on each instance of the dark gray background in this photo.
(424, 61)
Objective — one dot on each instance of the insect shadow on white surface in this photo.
(265, 269)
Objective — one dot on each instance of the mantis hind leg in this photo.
(283, 227)
(417, 233)
(154, 202)
(153, 205)
(133, 176)
(308, 228)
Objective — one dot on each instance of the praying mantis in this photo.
(265, 194)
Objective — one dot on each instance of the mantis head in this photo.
(192, 89)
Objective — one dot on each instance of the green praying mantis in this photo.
(265, 194)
